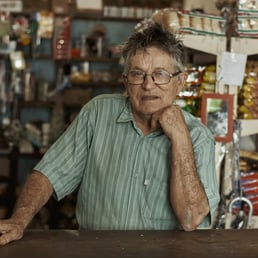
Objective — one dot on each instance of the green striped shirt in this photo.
(122, 175)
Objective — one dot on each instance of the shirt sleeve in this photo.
(64, 162)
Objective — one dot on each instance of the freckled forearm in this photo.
(34, 195)
(187, 194)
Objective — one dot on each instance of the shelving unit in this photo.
(249, 126)
(208, 44)
(217, 45)
(205, 43)
(46, 70)
(226, 173)
(247, 46)
(45, 67)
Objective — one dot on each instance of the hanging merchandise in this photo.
(5, 24)
(241, 220)
(45, 25)
(231, 210)
(3, 97)
(29, 85)
(21, 30)
(219, 220)
(249, 180)
(5, 33)
(61, 41)
(240, 208)
(41, 26)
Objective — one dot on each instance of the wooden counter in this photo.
(136, 244)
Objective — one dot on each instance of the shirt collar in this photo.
(126, 114)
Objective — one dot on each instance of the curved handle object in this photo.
(244, 199)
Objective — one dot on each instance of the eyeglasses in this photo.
(159, 77)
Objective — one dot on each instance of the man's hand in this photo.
(10, 231)
(171, 120)
(28, 204)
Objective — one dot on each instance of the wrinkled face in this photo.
(149, 98)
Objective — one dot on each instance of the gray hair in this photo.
(155, 35)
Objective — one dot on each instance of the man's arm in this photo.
(187, 195)
(34, 195)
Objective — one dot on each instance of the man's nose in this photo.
(148, 81)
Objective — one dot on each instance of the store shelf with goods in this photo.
(210, 44)
(96, 63)
(44, 68)
(39, 52)
(249, 47)
(228, 151)
(217, 45)
(104, 68)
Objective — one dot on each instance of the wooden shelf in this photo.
(90, 16)
(97, 59)
(249, 127)
(102, 59)
(36, 104)
(77, 15)
(34, 154)
(247, 46)
(97, 84)
(211, 44)
(217, 45)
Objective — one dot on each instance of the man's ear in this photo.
(125, 82)
(124, 78)
(181, 81)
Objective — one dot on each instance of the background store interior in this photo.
(55, 55)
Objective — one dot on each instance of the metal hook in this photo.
(239, 198)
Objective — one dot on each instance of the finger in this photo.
(9, 236)
(5, 227)
(4, 239)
